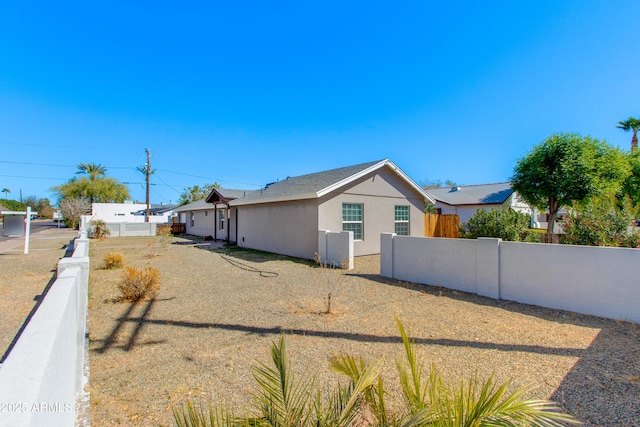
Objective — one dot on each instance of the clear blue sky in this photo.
(246, 93)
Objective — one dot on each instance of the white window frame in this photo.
(193, 219)
(360, 222)
(397, 221)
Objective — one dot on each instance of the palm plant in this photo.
(283, 402)
(100, 229)
(631, 124)
(6, 192)
(92, 170)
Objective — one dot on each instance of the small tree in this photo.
(565, 168)
(72, 209)
(191, 194)
(504, 224)
(6, 192)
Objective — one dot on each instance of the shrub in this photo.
(139, 284)
(600, 224)
(165, 237)
(100, 230)
(504, 224)
(113, 260)
(283, 400)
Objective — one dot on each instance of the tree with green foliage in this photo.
(505, 224)
(631, 124)
(98, 190)
(42, 206)
(565, 168)
(191, 194)
(6, 192)
(283, 400)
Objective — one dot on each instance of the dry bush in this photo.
(139, 284)
(166, 238)
(113, 260)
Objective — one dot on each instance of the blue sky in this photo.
(246, 93)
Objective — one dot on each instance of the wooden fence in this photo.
(441, 225)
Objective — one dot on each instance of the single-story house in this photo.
(367, 199)
(465, 200)
(210, 216)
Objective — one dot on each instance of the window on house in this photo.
(222, 217)
(206, 213)
(402, 220)
(352, 219)
(193, 219)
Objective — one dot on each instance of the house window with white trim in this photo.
(193, 219)
(222, 217)
(401, 220)
(352, 219)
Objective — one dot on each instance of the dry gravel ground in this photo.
(214, 317)
(24, 278)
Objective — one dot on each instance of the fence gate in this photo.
(446, 225)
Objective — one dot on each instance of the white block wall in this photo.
(599, 281)
(43, 377)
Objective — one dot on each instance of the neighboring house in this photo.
(130, 212)
(465, 200)
(210, 216)
(367, 199)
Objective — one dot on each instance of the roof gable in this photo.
(483, 194)
(315, 185)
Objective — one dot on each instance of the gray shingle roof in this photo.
(194, 206)
(483, 194)
(304, 186)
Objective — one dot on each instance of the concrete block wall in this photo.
(44, 375)
(600, 281)
(131, 229)
(334, 247)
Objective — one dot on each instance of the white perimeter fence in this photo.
(600, 281)
(42, 379)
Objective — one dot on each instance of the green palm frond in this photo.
(197, 415)
(283, 402)
(366, 386)
(410, 374)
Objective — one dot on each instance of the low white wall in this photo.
(592, 280)
(43, 377)
(334, 247)
(129, 229)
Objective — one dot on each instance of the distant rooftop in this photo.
(482, 194)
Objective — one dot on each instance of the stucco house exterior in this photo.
(367, 199)
(211, 216)
(465, 200)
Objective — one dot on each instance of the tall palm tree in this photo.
(631, 124)
(92, 170)
(6, 192)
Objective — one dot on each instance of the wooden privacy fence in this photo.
(436, 225)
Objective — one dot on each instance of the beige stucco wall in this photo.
(288, 228)
(379, 193)
(203, 222)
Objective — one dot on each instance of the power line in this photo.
(61, 166)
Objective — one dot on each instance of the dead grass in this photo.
(213, 318)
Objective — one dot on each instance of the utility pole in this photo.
(148, 173)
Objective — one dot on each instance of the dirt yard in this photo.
(219, 311)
